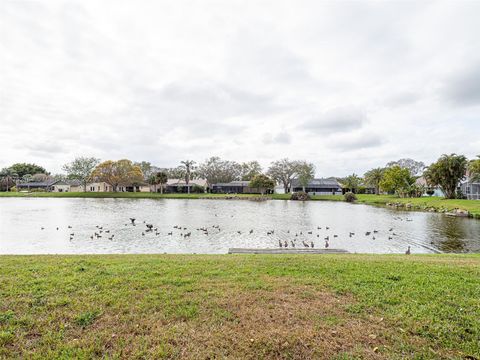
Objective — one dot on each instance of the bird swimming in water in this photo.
(368, 233)
(408, 251)
(132, 220)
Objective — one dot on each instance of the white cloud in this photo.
(348, 86)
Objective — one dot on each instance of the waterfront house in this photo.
(37, 185)
(234, 187)
(421, 181)
(328, 186)
(180, 186)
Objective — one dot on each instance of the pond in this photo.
(29, 226)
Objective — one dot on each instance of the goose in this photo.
(132, 220)
(335, 236)
(326, 244)
(310, 232)
(143, 234)
(285, 244)
(279, 243)
(305, 244)
(311, 244)
(390, 238)
(327, 238)
(368, 233)
(251, 231)
(408, 251)
(42, 228)
(326, 227)
(57, 228)
(293, 244)
(69, 226)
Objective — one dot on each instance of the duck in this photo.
(132, 220)
(368, 233)
(326, 244)
(327, 238)
(292, 243)
(335, 236)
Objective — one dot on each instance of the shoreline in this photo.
(468, 208)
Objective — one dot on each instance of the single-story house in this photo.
(421, 181)
(99, 187)
(75, 185)
(60, 186)
(180, 186)
(328, 186)
(470, 189)
(234, 187)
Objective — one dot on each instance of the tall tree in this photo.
(248, 170)
(147, 168)
(447, 173)
(305, 172)
(189, 166)
(22, 169)
(474, 169)
(161, 178)
(262, 182)
(397, 180)
(283, 171)
(373, 178)
(215, 170)
(352, 182)
(415, 167)
(80, 169)
(116, 173)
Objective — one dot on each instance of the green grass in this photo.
(240, 306)
(424, 203)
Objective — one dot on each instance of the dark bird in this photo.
(408, 251)
(375, 231)
(327, 238)
(42, 228)
(285, 243)
(132, 220)
(279, 243)
(390, 238)
(391, 229)
(143, 234)
(293, 244)
(368, 233)
(310, 232)
(251, 231)
(311, 244)
(69, 226)
(319, 228)
(170, 233)
(57, 228)
(326, 244)
(318, 235)
(72, 234)
(149, 226)
(373, 237)
(335, 236)
(305, 244)
(326, 227)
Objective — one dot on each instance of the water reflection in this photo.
(229, 223)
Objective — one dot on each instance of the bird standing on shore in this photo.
(408, 251)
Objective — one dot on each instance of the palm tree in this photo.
(161, 178)
(8, 175)
(152, 180)
(189, 165)
(374, 177)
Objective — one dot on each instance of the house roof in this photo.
(181, 182)
(38, 183)
(330, 182)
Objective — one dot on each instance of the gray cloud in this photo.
(281, 138)
(463, 88)
(336, 120)
(356, 142)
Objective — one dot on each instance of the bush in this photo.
(198, 189)
(301, 196)
(350, 197)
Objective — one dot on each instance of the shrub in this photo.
(198, 189)
(350, 197)
(300, 195)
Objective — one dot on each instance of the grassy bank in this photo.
(424, 203)
(236, 306)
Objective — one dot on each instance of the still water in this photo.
(29, 226)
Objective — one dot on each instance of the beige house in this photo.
(99, 187)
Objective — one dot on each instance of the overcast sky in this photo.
(346, 85)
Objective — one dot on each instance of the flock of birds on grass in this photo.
(306, 243)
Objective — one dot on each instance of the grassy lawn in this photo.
(240, 306)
